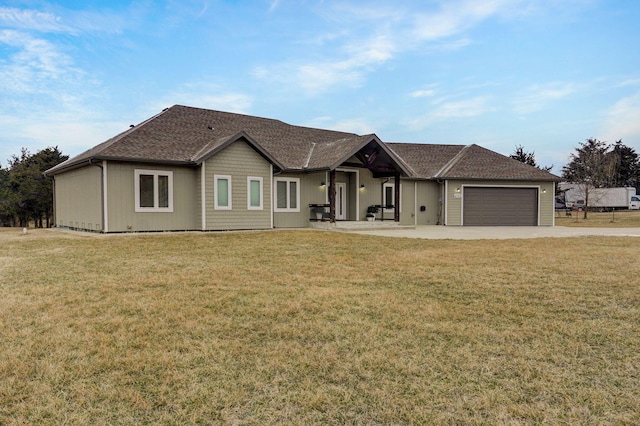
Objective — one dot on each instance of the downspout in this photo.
(442, 208)
(415, 203)
(203, 193)
(271, 193)
(54, 202)
(103, 193)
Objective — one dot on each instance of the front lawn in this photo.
(303, 327)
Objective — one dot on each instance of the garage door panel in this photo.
(500, 206)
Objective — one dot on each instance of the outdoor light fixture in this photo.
(544, 190)
(362, 186)
(322, 183)
(457, 189)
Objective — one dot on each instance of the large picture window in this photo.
(287, 195)
(254, 193)
(153, 190)
(222, 192)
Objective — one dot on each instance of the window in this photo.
(287, 195)
(389, 196)
(222, 192)
(153, 191)
(254, 193)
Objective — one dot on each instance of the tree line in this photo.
(595, 163)
(26, 194)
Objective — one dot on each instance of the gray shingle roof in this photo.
(465, 162)
(186, 135)
(182, 134)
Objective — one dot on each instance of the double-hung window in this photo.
(153, 191)
(287, 195)
(254, 193)
(222, 192)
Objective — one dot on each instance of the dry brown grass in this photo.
(615, 219)
(305, 327)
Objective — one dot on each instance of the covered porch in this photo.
(367, 175)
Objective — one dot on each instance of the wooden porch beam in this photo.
(332, 196)
(396, 193)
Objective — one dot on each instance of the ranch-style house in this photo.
(197, 169)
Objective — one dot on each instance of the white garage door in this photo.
(500, 206)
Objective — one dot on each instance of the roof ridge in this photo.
(306, 164)
(453, 161)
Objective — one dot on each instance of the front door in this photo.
(341, 201)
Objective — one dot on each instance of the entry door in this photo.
(341, 201)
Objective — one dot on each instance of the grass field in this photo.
(615, 219)
(303, 327)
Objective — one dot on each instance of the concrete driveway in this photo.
(499, 232)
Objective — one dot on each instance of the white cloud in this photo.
(350, 125)
(202, 95)
(33, 20)
(456, 17)
(465, 108)
(536, 97)
(427, 92)
(36, 67)
(381, 33)
(316, 77)
(444, 111)
(623, 121)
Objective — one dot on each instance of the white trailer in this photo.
(600, 198)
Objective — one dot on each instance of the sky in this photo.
(543, 74)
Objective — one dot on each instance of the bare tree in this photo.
(591, 166)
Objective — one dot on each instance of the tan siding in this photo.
(429, 197)
(79, 211)
(407, 215)
(310, 193)
(239, 161)
(454, 204)
(371, 194)
(121, 199)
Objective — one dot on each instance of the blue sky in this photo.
(544, 74)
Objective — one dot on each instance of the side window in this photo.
(287, 195)
(389, 195)
(222, 192)
(254, 193)
(153, 190)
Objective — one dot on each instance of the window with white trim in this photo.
(254, 193)
(153, 191)
(222, 192)
(389, 190)
(287, 195)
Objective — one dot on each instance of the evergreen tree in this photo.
(527, 158)
(30, 193)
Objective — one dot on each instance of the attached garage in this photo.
(500, 206)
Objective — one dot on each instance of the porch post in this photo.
(396, 193)
(332, 196)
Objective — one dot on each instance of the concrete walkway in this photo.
(498, 232)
